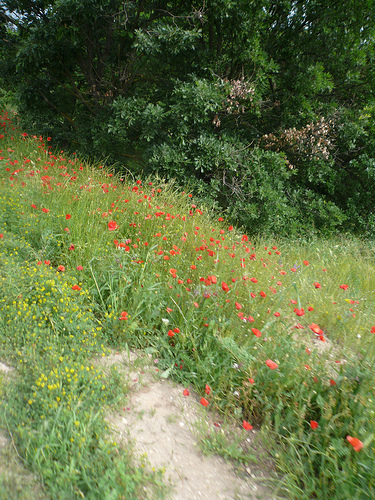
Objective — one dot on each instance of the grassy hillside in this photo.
(279, 334)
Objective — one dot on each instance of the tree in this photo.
(263, 106)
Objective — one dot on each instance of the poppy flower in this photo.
(373, 329)
(306, 262)
(247, 426)
(238, 306)
(251, 380)
(112, 225)
(271, 364)
(224, 286)
(204, 402)
(277, 314)
(332, 382)
(171, 333)
(299, 312)
(262, 294)
(47, 262)
(72, 247)
(256, 332)
(316, 329)
(317, 285)
(207, 389)
(169, 310)
(355, 442)
(79, 268)
(124, 316)
(61, 268)
(68, 216)
(186, 392)
(344, 287)
(76, 287)
(45, 210)
(314, 424)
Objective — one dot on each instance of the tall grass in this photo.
(279, 333)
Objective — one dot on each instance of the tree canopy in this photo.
(264, 107)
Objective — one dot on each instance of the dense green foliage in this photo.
(266, 108)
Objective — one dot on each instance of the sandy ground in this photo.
(163, 425)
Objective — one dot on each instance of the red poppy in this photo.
(251, 380)
(299, 312)
(332, 382)
(256, 332)
(204, 402)
(176, 330)
(169, 310)
(317, 285)
(79, 268)
(316, 329)
(72, 247)
(186, 392)
(355, 442)
(207, 389)
(271, 364)
(76, 287)
(254, 280)
(124, 316)
(68, 216)
(373, 329)
(277, 314)
(47, 262)
(247, 426)
(45, 210)
(61, 268)
(262, 294)
(170, 333)
(112, 225)
(314, 424)
(344, 287)
(224, 286)
(306, 262)
(238, 306)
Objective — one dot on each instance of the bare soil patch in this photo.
(163, 424)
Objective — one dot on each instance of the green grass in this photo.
(143, 267)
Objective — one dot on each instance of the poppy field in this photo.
(277, 334)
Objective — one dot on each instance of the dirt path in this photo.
(166, 426)
(163, 422)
